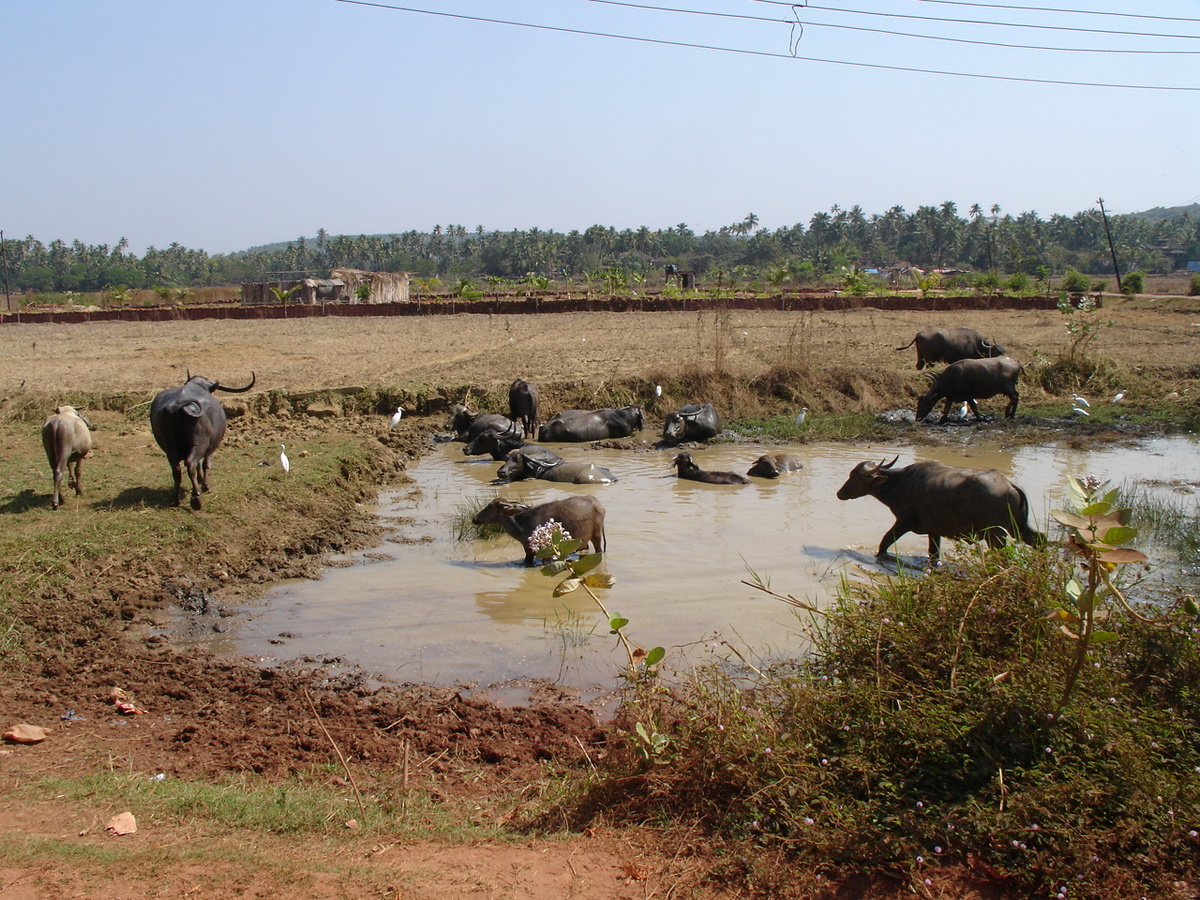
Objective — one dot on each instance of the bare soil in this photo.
(212, 719)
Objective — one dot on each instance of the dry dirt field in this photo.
(215, 719)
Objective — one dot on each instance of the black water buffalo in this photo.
(692, 422)
(521, 464)
(580, 517)
(942, 501)
(523, 405)
(495, 444)
(189, 423)
(950, 345)
(685, 467)
(468, 425)
(971, 380)
(593, 424)
(773, 465)
(67, 438)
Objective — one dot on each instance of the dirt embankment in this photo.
(211, 718)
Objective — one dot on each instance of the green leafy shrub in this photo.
(1073, 282)
(1133, 283)
(1194, 286)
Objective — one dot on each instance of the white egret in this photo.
(1120, 396)
(397, 416)
(801, 416)
(1081, 401)
(658, 390)
(1080, 411)
(283, 459)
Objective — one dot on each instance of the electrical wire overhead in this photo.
(766, 54)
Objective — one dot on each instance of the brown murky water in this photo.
(425, 607)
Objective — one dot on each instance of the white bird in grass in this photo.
(801, 416)
(397, 416)
(283, 459)
(1080, 411)
(1120, 396)
(658, 390)
(1080, 401)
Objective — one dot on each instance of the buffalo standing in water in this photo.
(943, 501)
(581, 517)
(692, 422)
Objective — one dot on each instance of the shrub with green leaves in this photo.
(1133, 283)
(1073, 282)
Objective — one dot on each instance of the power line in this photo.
(765, 53)
(906, 34)
(1051, 9)
(889, 15)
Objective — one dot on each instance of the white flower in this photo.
(544, 535)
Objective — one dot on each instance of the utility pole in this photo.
(1111, 249)
(4, 261)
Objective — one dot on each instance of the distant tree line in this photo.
(982, 241)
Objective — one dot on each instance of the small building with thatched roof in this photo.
(345, 286)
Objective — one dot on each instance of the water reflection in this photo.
(446, 611)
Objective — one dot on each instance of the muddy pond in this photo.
(426, 606)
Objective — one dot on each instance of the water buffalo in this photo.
(685, 467)
(496, 444)
(520, 464)
(580, 517)
(950, 345)
(943, 501)
(523, 405)
(971, 380)
(188, 424)
(593, 424)
(468, 425)
(692, 422)
(67, 438)
(774, 465)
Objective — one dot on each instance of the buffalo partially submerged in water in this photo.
(188, 423)
(943, 501)
(581, 517)
(67, 439)
(692, 422)
(950, 345)
(970, 380)
(468, 425)
(523, 405)
(532, 461)
(685, 467)
(774, 465)
(593, 424)
(496, 444)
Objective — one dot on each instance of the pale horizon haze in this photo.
(226, 124)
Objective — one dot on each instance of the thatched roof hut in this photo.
(373, 287)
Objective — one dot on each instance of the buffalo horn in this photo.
(232, 390)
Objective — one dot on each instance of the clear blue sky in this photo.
(221, 124)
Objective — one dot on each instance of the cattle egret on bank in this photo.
(801, 416)
(283, 459)
(1080, 401)
(1080, 411)
(658, 390)
(1120, 396)
(397, 416)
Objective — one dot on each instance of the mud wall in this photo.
(533, 306)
